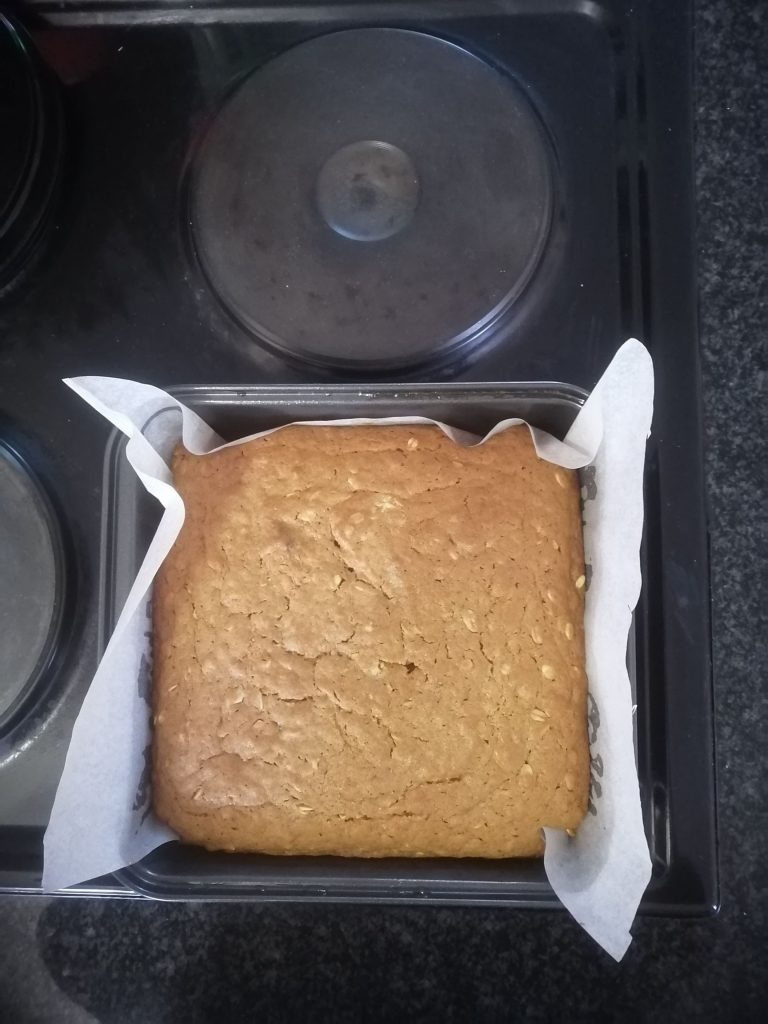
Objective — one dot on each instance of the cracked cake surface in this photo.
(368, 641)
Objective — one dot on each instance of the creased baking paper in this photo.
(101, 819)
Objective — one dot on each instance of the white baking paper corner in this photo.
(102, 820)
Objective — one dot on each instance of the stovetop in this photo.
(123, 287)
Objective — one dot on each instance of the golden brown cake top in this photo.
(369, 641)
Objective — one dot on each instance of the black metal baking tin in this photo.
(130, 516)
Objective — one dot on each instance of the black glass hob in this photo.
(246, 194)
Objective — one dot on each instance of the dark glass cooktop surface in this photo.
(279, 194)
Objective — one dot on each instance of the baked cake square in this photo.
(368, 641)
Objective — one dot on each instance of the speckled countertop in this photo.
(75, 960)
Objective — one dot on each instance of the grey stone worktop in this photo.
(76, 960)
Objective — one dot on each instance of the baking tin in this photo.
(175, 871)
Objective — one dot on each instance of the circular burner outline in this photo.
(483, 331)
(29, 218)
(18, 717)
